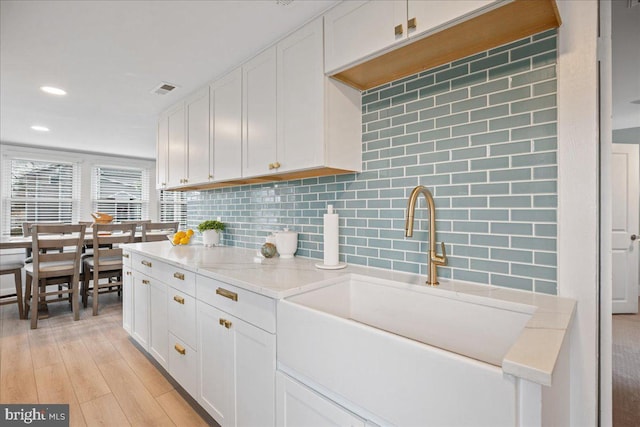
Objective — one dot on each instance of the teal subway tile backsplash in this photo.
(480, 133)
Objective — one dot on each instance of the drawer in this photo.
(143, 264)
(182, 315)
(179, 278)
(126, 258)
(183, 364)
(251, 307)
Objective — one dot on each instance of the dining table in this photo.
(21, 242)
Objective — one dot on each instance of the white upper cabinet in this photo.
(176, 160)
(199, 151)
(259, 114)
(359, 30)
(162, 150)
(427, 15)
(301, 99)
(226, 112)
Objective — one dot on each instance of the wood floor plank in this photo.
(180, 412)
(44, 348)
(54, 386)
(153, 380)
(18, 386)
(86, 379)
(104, 411)
(101, 350)
(137, 403)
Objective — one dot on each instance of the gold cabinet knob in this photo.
(178, 299)
(398, 30)
(276, 165)
(271, 166)
(180, 349)
(412, 24)
(145, 282)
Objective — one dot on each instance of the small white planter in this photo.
(211, 238)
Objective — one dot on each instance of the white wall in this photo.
(578, 221)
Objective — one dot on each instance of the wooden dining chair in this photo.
(14, 268)
(53, 268)
(106, 261)
(138, 223)
(157, 231)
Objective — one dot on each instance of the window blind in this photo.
(38, 191)
(121, 193)
(173, 207)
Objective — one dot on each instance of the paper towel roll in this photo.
(331, 238)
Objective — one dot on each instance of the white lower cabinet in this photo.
(236, 368)
(183, 364)
(298, 405)
(141, 310)
(158, 327)
(127, 299)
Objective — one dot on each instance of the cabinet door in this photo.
(301, 99)
(298, 405)
(127, 299)
(214, 363)
(183, 364)
(357, 29)
(226, 106)
(162, 150)
(182, 316)
(259, 114)
(254, 355)
(176, 160)
(158, 326)
(434, 13)
(198, 138)
(141, 310)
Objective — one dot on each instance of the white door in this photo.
(162, 150)
(158, 325)
(176, 160)
(141, 310)
(127, 298)
(626, 227)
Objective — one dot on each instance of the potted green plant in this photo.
(211, 230)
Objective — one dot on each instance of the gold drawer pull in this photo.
(412, 24)
(180, 349)
(145, 282)
(178, 299)
(146, 263)
(398, 30)
(224, 322)
(227, 294)
(179, 276)
(125, 255)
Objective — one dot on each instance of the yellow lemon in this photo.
(176, 240)
(184, 241)
(180, 234)
(189, 232)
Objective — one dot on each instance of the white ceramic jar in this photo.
(287, 243)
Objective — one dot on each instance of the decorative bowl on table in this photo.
(102, 218)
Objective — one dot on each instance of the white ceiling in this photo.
(109, 55)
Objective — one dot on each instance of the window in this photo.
(39, 191)
(173, 207)
(121, 193)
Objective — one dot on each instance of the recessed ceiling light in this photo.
(53, 90)
(40, 128)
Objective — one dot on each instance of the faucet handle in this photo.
(440, 260)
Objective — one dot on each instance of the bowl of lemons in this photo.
(181, 238)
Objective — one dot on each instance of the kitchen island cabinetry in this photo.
(158, 321)
(127, 293)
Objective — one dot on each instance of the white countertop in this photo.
(532, 357)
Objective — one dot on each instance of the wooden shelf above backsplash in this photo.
(513, 21)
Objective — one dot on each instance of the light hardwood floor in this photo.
(90, 364)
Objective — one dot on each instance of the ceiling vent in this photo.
(284, 2)
(163, 88)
